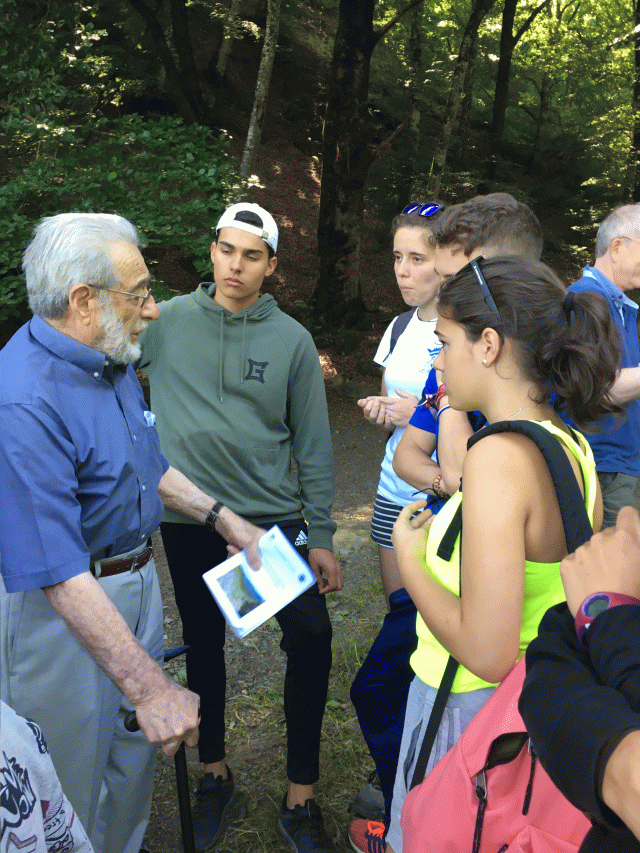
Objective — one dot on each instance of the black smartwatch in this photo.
(214, 512)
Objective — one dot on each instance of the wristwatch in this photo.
(593, 606)
(214, 512)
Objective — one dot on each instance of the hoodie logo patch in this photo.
(256, 370)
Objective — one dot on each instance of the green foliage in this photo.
(170, 180)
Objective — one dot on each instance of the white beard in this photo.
(116, 343)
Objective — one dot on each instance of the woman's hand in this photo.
(375, 411)
(401, 408)
(389, 412)
(410, 534)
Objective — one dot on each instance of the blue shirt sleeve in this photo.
(422, 417)
(39, 488)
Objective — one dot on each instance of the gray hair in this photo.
(69, 249)
(624, 221)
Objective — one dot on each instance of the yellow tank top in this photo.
(542, 585)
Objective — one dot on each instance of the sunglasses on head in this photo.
(484, 287)
(422, 209)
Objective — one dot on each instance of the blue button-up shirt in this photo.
(616, 447)
(80, 459)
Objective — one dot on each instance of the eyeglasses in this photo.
(422, 209)
(486, 294)
(143, 296)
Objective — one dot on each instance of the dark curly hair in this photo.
(569, 350)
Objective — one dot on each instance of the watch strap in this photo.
(595, 604)
(214, 512)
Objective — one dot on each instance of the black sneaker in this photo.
(217, 802)
(369, 803)
(303, 827)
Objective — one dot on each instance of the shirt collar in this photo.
(69, 349)
(617, 295)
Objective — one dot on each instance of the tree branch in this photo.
(387, 141)
(382, 31)
(525, 26)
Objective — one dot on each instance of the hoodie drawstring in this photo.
(244, 334)
(220, 355)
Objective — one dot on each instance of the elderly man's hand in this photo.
(169, 716)
(240, 534)
(608, 562)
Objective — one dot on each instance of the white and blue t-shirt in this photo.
(406, 368)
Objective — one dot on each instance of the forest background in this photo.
(333, 114)
(341, 111)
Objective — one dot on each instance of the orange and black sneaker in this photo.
(367, 836)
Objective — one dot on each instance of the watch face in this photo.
(597, 605)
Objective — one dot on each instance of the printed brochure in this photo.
(247, 597)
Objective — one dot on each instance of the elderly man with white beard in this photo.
(83, 483)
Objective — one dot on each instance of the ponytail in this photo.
(582, 358)
(567, 344)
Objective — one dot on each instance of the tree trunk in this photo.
(501, 97)
(406, 191)
(262, 88)
(178, 87)
(347, 154)
(635, 149)
(508, 42)
(227, 38)
(467, 104)
(186, 60)
(346, 159)
(479, 10)
(543, 112)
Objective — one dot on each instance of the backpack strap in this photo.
(575, 520)
(435, 718)
(399, 325)
(577, 531)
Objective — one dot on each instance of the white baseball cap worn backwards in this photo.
(252, 218)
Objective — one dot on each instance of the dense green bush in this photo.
(170, 180)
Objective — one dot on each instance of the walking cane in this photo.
(182, 780)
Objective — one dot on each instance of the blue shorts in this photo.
(384, 516)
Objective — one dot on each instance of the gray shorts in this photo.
(458, 713)
(618, 490)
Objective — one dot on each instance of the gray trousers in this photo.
(618, 490)
(46, 675)
(460, 709)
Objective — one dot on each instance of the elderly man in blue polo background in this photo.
(83, 483)
(616, 447)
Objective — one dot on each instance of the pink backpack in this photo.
(489, 793)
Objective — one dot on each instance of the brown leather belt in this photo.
(110, 567)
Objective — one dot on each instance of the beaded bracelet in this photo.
(437, 487)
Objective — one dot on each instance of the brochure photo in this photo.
(247, 597)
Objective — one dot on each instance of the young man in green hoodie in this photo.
(237, 389)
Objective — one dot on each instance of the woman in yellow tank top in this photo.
(511, 341)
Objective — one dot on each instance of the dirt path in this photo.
(255, 665)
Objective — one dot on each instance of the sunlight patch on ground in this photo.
(328, 370)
